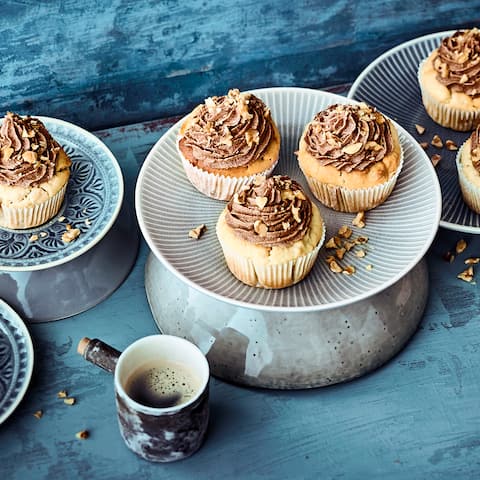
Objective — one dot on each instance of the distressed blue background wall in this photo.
(107, 63)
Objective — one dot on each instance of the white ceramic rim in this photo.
(161, 338)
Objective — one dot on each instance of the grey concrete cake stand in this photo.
(79, 284)
(289, 350)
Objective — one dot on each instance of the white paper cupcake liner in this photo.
(271, 276)
(470, 191)
(29, 217)
(343, 199)
(220, 187)
(446, 115)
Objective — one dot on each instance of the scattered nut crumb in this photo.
(38, 414)
(88, 222)
(62, 394)
(33, 238)
(335, 267)
(435, 158)
(360, 253)
(82, 435)
(424, 145)
(197, 232)
(451, 145)
(69, 400)
(70, 234)
(361, 239)
(345, 231)
(437, 141)
(472, 260)
(340, 252)
(460, 246)
(466, 275)
(348, 245)
(420, 129)
(369, 267)
(349, 270)
(359, 220)
(61, 219)
(333, 242)
(449, 257)
(43, 234)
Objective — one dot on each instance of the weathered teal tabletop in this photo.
(416, 417)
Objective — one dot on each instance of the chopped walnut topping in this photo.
(451, 145)
(466, 275)
(260, 228)
(70, 234)
(359, 220)
(252, 136)
(460, 246)
(420, 129)
(82, 435)
(296, 215)
(261, 202)
(38, 414)
(464, 78)
(257, 181)
(69, 401)
(435, 158)
(437, 141)
(62, 394)
(345, 231)
(352, 148)
(197, 232)
(29, 156)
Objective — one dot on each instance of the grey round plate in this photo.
(92, 202)
(390, 83)
(400, 231)
(16, 360)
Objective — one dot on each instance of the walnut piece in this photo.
(420, 129)
(197, 232)
(359, 220)
(38, 414)
(69, 401)
(62, 394)
(82, 434)
(70, 234)
(435, 158)
(460, 246)
(437, 141)
(466, 275)
(335, 267)
(451, 145)
(345, 231)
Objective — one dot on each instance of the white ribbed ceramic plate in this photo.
(400, 231)
(390, 84)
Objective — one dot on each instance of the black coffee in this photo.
(162, 384)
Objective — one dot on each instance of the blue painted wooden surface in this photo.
(106, 63)
(418, 417)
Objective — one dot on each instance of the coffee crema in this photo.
(162, 384)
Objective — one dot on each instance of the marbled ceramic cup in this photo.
(163, 434)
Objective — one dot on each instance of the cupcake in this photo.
(351, 157)
(450, 81)
(468, 167)
(270, 233)
(226, 141)
(34, 171)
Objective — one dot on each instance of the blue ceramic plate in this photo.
(390, 84)
(168, 206)
(92, 202)
(16, 360)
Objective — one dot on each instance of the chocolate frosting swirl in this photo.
(28, 152)
(228, 131)
(475, 148)
(270, 211)
(457, 62)
(349, 137)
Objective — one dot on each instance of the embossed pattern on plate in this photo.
(16, 360)
(400, 231)
(92, 202)
(390, 83)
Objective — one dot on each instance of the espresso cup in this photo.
(161, 391)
